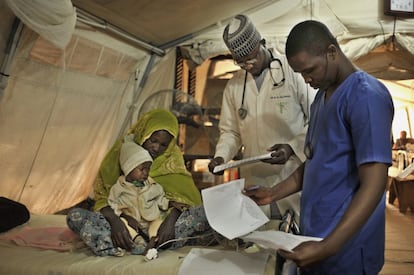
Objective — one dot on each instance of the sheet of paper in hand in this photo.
(231, 213)
(277, 239)
(235, 215)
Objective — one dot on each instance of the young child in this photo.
(136, 198)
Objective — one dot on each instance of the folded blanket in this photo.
(55, 238)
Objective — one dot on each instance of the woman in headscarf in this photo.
(157, 132)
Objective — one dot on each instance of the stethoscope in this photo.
(242, 110)
(309, 147)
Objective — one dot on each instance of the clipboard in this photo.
(238, 163)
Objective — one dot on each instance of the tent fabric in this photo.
(61, 112)
(63, 117)
(54, 20)
(358, 30)
(153, 21)
(355, 49)
(165, 67)
(388, 61)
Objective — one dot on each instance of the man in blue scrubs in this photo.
(348, 151)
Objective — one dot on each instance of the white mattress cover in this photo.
(18, 260)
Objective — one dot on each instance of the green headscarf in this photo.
(167, 169)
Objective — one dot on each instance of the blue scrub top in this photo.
(353, 128)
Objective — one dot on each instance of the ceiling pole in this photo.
(85, 17)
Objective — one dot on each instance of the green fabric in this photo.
(167, 169)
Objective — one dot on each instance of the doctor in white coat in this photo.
(265, 108)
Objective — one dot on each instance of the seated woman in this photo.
(156, 131)
(139, 201)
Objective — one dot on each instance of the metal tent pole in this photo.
(84, 17)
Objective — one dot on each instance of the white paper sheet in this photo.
(235, 215)
(277, 239)
(231, 213)
(220, 262)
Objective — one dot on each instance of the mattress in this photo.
(80, 260)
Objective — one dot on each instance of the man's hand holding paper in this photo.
(235, 215)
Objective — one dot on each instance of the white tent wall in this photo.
(161, 77)
(58, 120)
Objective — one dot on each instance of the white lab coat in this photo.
(274, 115)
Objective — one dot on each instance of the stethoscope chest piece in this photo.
(308, 151)
(242, 112)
